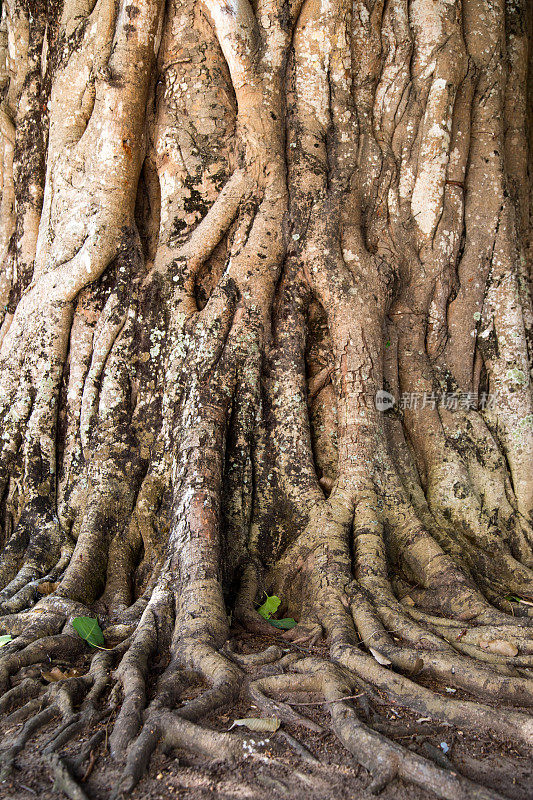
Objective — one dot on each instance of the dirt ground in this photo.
(276, 770)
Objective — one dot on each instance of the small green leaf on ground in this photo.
(286, 623)
(270, 606)
(514, 599)
(89, 629)
(258, 724)
(5, 639)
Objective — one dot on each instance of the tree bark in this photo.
(265, 290)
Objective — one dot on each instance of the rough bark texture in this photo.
(225, 227)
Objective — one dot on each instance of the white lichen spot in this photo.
(428, 192)
(517, 376)
(348, 255)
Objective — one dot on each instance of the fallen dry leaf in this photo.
(258, 724)
(500, 646)
(381, 659)
(56, 674)
(47, 587)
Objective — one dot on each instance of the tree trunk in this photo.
(266, 330)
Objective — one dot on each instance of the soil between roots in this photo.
(504, 766)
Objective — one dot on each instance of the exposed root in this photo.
(63, 780)
(299, 748)
(175, 732)
(384, 760)
(403, 691)
(268, 656)
(165, 721)
(60, 646)
(18, 695)
(259, 689)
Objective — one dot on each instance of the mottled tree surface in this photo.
(225, 227)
